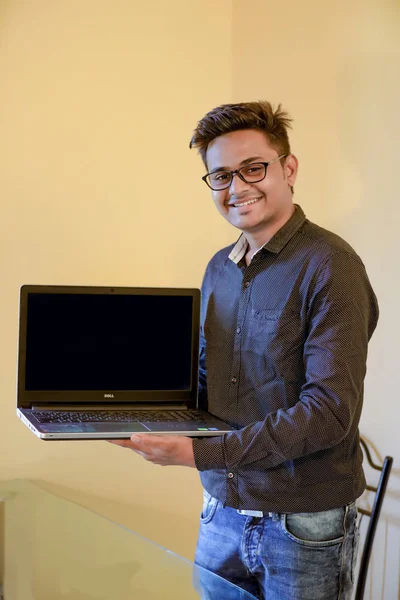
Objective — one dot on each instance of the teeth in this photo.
(247, 203)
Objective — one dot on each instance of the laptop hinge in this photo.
(72, 407)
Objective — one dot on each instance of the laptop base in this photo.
(117, 430)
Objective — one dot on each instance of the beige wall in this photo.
(336, 67)
(93, 95)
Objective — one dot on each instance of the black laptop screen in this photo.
(108, 342)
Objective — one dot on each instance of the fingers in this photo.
(126, 444)
(150, 447)
(122, 443)
(161, 450)
(134, 441)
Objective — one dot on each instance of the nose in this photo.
(237, 185)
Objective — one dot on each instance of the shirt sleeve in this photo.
(342, 315)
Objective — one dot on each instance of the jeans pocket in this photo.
(209, 507)
(319, 529)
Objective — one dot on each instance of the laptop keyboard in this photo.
(121, 416)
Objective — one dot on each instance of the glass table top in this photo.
(54, 549)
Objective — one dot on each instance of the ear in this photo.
(290, 169)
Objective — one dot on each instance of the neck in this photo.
(258, 239)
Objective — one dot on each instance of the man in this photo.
(287, 313)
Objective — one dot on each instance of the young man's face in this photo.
(270, 199)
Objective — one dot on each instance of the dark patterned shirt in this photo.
(283, 358)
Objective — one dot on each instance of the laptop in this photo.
(104, 363)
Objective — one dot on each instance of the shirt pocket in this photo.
(265, 326)
(277, 336)
(265, 318)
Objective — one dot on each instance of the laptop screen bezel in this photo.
(28, 398)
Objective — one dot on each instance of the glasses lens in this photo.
(253, 172)
(219, 180)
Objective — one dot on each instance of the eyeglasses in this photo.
(252, 173)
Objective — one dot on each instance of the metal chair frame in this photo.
(373, 515)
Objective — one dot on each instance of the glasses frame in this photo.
(239, 174)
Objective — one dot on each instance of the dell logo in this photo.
(108, 395)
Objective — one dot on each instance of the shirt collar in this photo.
(277, 242)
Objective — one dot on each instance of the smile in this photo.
(252, 201)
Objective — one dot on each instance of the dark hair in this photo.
(226, 118)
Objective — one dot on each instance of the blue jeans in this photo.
(294, 556)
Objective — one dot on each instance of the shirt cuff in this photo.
(209, 453)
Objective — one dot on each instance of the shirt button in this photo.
(230, 475)
(246, 284)
(238, 330)
(233, 380)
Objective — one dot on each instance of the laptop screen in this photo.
(109, 341)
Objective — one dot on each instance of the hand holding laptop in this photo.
(161, 450)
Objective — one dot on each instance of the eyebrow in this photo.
(247, 161)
